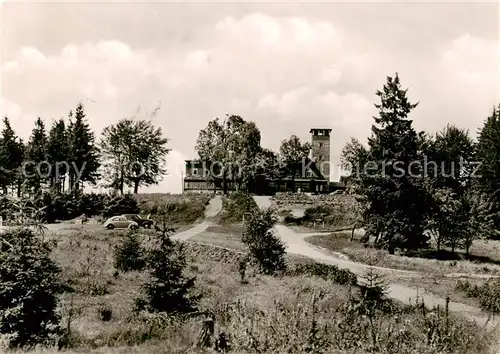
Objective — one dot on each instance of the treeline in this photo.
(413, 185)
(234, 144)
(130, 153)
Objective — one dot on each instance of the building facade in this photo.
(312, 176)
(320, 140)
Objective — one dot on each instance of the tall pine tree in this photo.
(11, 156)
(488, 154)
(36, 167)
(393, 181)
(58, 155)
(84, 154)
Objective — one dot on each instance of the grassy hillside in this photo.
(303, 310)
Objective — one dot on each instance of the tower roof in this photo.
(313, 129)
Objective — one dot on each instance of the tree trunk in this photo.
(205, 337)
(468, 244)
(19, 188)
(71, 182)
(352, 233)
(136, 186)
(122, 182)
(224, 186)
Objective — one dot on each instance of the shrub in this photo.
(28, 289)
(325, 271)
(189, 207)
(128, 254)
(236, 205)
(69, 206)
(488, 294)
(168, 290)
(126, 204)
(490, 297)
(105, 313)
(267, 248)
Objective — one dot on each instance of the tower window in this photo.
(320, 145)
(195, 171)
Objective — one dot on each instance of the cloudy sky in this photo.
(288, 66)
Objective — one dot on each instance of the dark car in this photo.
(146, 223)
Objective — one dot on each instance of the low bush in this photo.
(105, 313)
(125, 204)
(236, 205)
(488, 294)
(61, 207)
(329, 215)
(325, 271)
(129, 254)
(187, 208)
(169, 289)
(28, 290)
(264, 246)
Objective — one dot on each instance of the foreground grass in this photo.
(294, 313)
(227, 236)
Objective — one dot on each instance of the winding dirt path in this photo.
(296, 244)
(213, 208)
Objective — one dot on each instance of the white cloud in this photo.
(32, 55)
(171, 183)
(10, 65)
(9, 109)
(474, 60)
(197, 59)
(274, 34)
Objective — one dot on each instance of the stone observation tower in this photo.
(320, 139)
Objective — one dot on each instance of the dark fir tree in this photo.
(20, 178)
(84, 154)
(488, 154)
(11, 156)
(28, 290)
(58, 155)
(396, 199)
(169, 289)
(36, 156)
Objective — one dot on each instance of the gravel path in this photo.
(296, 244)
(212, 210)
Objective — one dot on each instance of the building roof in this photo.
(312, 129)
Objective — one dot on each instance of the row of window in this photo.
(195, 172)
(309, 173)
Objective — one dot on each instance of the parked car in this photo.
(142, 222)
(120, 222)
